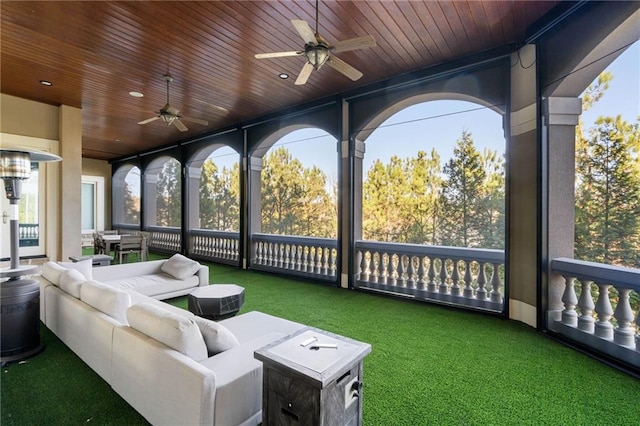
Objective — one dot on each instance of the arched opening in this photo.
(126, 196)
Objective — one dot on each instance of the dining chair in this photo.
(129, 244)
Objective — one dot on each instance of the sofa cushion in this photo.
(109, 300)
(178, 332)
(84, 266)
(180, 267)
(154, 284)
(216, 336)
(52, 271)
(70, 281)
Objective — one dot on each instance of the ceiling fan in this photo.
(169, 115)
(318, 51)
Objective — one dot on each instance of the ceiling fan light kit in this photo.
(170, 115)
(318, 51)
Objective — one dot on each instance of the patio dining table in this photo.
(108, 240)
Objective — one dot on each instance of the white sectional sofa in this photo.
(169, 365)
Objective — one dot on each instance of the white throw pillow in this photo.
(178, 332)
(84, 266)
(110, 300)
(180, 267)
(52, 271)
(70, 281)
(216, 336)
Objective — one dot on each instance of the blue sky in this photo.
(424, 132)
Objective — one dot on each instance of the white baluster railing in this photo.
(599, 325)
(217, 246)
(298, 256)
(454, 275)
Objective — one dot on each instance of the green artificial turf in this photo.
(429, 365)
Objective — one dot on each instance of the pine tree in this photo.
(295, 200)
(169, 201)
(608, 194)
(462, 193)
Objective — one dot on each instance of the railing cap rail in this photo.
(455, 253)
(214, 232)
(294, 239)
(619, 276)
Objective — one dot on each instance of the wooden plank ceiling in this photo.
(96, 52)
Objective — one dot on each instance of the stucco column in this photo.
(254, 204)
(523, 166)
(70, 241)
(559, 120)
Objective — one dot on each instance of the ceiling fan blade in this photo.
(343, 67)
(278, 54)
(194, 120)
(180, 125)
(305, 31)
(354, 44)
(149, 120)
(304, 74)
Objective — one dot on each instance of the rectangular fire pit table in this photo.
(217, 301)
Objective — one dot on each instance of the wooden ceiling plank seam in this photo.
(448, 34)
(405, 29)
(422, 31)
(429, 23)
(478, 40)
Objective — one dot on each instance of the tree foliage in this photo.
(295, 200)
(608, 193)
(169, 200)
(219, 197)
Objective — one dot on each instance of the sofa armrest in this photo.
(203, 275)
(163, 385)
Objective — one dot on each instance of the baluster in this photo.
(495, 284)
(623, 333)
(364, 266)
(279, 254)
(292, 263)
(318, 269)
(384, 273)
(431, 285)
(305, 258)
(468, 279)
(570, 300)
(393, 269)
(375, 263)
(443, 277)
(455, 279)
(287, 253)
(481, 293)
(412, 279)
(604, 328)
(269, 254)
(325, 261)
(299, 253)
(586, 305)
(257, 247)
(224, 243)
(333, 256)
(420, 274)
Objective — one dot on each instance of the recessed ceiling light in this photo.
(116, 140)
(46, 83)
(136, 94)
(283, 75)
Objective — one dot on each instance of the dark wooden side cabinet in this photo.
(312, 378)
